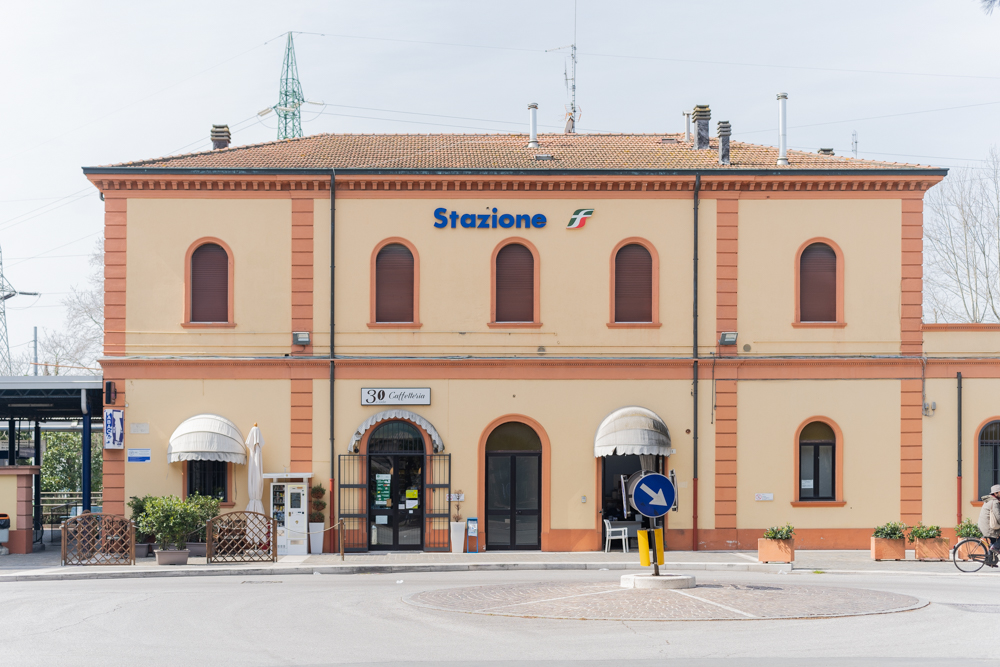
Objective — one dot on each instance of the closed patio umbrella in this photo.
(255, 471)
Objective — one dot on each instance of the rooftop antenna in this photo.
(7, 291)
(290, 97)
(854, 143)
(572, 115)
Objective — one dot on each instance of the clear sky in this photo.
(104, 81)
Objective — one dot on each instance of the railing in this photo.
(241, 537)
(98, 539)
(56, 498)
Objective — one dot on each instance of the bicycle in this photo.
(976, 552)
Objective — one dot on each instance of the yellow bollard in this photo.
(643, 548)
(659, 546)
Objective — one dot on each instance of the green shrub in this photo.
(922, 532)
(138, 507)
(968, 529)
(779, 532)
(169, 519)
(206, 507)
(894, 530)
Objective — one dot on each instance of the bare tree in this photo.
(85, 315)
(989, 5)
(962, 277)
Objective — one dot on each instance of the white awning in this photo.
(207, 438)
(397, 414)
(632, 430)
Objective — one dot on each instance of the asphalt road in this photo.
(362, 619)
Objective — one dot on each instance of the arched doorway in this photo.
(396, 486)
(513, 487)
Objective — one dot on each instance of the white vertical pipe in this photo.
(782, 130)
(533, 125)
(687, 125)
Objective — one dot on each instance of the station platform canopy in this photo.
(48, 398)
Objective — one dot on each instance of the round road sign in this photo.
(652, 495)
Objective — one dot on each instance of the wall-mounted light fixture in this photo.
(727, 338)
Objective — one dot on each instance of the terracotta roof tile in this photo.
(498, 151)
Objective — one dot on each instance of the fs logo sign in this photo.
(580, 218)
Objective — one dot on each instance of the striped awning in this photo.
(207, 438)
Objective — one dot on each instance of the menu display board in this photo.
(382, 481)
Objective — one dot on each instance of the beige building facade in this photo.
(815, 420)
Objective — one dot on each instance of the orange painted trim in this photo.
(975, 458)
(819, 325)
(208, 325)
(537, 308)
(838, 470)
(546, 471)
(960, 326)
(26, 471)
(977, 503)
(797, 322)
(279, 368)
(187, 283)
(115, 230)
(415, 324)
(655, 322)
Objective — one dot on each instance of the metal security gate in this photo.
(354, 501)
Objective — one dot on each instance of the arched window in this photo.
(817, 462)
(394, 284)
(396, 436)
(818, 284)
(210, 264)
(633, 284)
(514, 298)
(989, 458)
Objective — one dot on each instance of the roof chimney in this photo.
(702, 114)
(687, 125)
(725, 129)
(782, 130)
(220, 137)
(533, 125)
(825, 151)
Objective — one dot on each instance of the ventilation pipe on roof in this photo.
(702, 114)
(782, 130)
(687, 125)
(220, 137)
(725, 129)
(533, 125)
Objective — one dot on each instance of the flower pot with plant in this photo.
(143, 541)
(929, 543)
(964, 530)
(206, 507)
(457, 526)
(317, 521)
(777, 545)
(169, 519)
(889, 541)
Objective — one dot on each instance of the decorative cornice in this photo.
(207, 184)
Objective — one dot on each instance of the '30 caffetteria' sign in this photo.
(396, 396)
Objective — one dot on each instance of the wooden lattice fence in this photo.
(98, 539)
(242, 537)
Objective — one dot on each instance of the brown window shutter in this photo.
(818, 284)
(394, 284)
(633, 284)
(210, 284)
(515, 284)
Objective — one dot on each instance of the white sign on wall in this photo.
(114, 429)
(138, 427)
(139, 455)
(396, 396)
(763, 496)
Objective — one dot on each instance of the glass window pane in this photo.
(527, 530)
(498, 531)
(498, 482)
(409, 528)
(207, 478)
(987, 468)
(826, 472)
(527, 482)
(806, 463)
(397, 436)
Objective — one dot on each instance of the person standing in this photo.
(989, 520)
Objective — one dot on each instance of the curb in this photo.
(75, 574)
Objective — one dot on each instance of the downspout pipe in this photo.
(958, 378)
(694, 373)
(333, 301)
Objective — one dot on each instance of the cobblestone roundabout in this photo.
(608, 601)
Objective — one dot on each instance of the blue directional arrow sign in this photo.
(653, 495)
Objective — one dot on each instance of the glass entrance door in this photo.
(396, 493)
(513, 500)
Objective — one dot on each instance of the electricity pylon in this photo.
(290, 98)
(7, 291)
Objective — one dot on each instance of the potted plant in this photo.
(458, 526)
(777, 545)
(142, 540)
(929, 543)
(889, 541)
(317, 521)
(169, 519)
(206, 507)
(963, 530)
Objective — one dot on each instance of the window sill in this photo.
(634, 325)
(227, 504)
(514, 325)
(819, 325)
(977, 503)
(208, 325)
(818, 503)
(394, 325)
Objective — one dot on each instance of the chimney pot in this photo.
(220, 137)
(533, 125)
(725, 130)
(825, 151)
(702, 114)
(782, 130)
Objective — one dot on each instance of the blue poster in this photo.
(114, 429)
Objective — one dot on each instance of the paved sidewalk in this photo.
(44, 565)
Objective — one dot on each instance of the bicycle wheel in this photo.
(970, 555)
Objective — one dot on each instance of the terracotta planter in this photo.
(171, 556)
(888, 549)
(775, 551)
(934, 548)
(963, 553)
(199, 549)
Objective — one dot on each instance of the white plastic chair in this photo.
(615, 534)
